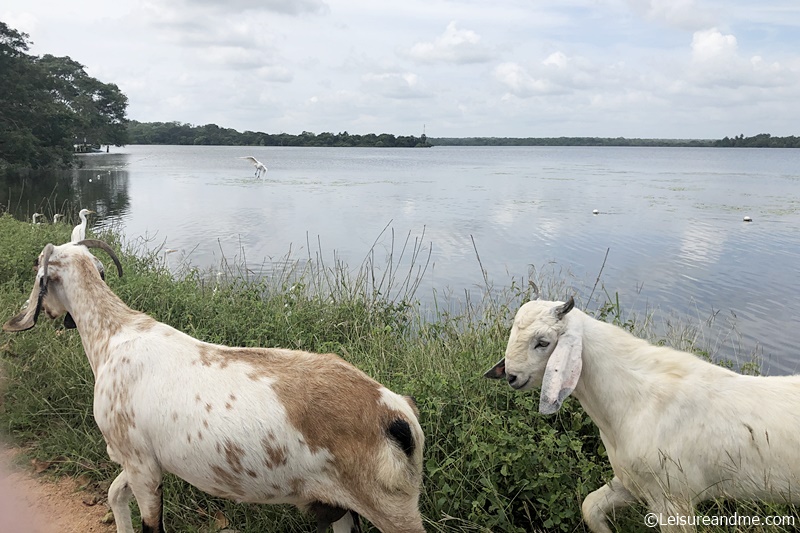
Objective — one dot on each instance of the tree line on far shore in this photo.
(762, 140)
(177, 133)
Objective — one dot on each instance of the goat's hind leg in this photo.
(599, 504)
(146, 487)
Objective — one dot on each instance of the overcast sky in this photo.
(507, 68)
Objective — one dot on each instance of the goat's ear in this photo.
(27, 318)
(563, 369)
(498, 371)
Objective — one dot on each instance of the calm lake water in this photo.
(671, 220)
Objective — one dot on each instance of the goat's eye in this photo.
(542, 344)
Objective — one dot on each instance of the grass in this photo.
(492, 463)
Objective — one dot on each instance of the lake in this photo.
(671, 220)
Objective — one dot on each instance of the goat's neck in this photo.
(610, 381)
(99, 314)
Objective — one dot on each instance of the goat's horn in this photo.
(95, 243)
(46, 253)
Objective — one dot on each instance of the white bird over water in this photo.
(79, 231)
(260, 167)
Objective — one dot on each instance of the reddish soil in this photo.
(32, 502)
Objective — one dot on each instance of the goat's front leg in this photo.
(119, 498)
(145, 482)
(604, 501)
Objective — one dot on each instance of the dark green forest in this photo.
(48, 104)
(211, 134)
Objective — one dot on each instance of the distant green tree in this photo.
(47, 103)
(98, 108)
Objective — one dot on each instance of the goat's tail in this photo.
(405, 442)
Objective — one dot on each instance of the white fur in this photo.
(678, 430)
(167, 402)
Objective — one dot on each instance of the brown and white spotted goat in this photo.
(250, 424)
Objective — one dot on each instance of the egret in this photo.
(35, 216)
(260, 167)
(57, 217)
(79, 231)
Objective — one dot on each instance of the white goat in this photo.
(251, 424)
(678, 430)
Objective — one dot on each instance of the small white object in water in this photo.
(747, 219)
(595, 212)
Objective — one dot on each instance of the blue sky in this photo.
(509, 68)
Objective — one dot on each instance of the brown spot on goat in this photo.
(233, 455)
(275, 456)
(229, 484)
(296, 486)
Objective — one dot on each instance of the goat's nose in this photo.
(512, 378)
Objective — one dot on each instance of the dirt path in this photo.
(34, 503)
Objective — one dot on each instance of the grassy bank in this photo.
(492, 463)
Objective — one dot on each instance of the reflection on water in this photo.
(101, 186)
(670, 219)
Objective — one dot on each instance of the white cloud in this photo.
(554, 75)
(453, 46)
(275, 73)
(286, 7)
(712, 46)
(519, 82)
(683, 14)
(716, 62)
(394, 85)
